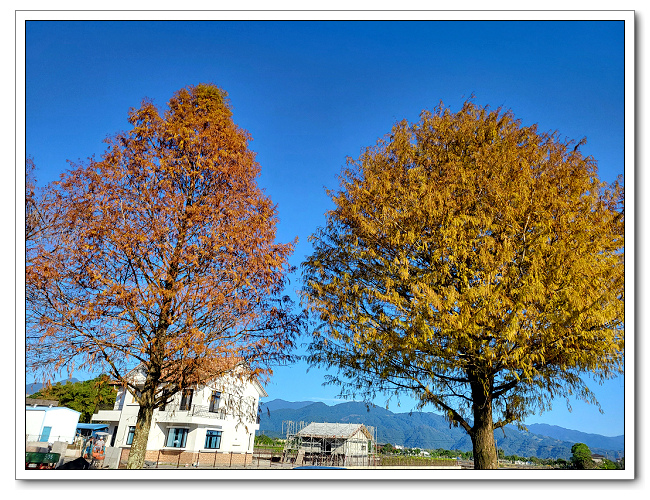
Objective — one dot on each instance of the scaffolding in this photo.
(329, 444)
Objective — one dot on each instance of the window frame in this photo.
(165, 394)
(213, 407)
(186, 402)
(129, 435)
(183, 442)
(218, 436)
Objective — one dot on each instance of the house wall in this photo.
(357, 444)
(63, 422)
(238, 424)
(34, 424)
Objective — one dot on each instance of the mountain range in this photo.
(35, 387)
(428, 430)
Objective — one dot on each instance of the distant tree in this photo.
(388, 448)
(264, 440)
(607, 464)
(473, 263)
(164, 256)
(84, 397)
(581, 456)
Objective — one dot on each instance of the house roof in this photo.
(260, 389)
(326, 429)
(93, 427)
(139, 372)
(40, 402)
(51, 408)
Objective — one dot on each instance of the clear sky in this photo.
(312, 93)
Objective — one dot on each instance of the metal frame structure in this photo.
(329, 444)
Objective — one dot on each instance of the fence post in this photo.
(231, 459)
(214, 465)
(158, 459)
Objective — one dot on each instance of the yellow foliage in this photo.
(476, 254)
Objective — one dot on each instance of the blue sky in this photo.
(311, 93)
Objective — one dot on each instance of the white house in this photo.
(50, 423)
(216, 418)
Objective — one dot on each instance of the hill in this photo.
(429, 430)
(35, 387)
(591, 440)
(278, 404)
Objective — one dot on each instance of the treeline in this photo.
(389, 449)
(581, 459)
(84, 397)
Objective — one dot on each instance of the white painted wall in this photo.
(63, 422)
(34, 423)
(239, 401)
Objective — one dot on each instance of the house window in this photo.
(129, 436)
(214, 401)
(186, 399)
(165, 395)
(213, 440)
(176, 438)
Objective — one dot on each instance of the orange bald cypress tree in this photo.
(475, 264)
(164, 255)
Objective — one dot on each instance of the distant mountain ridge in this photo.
(35, 387)
(278, 404)
(431, 431)
(591, 440)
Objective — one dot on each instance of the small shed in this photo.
(50, 423)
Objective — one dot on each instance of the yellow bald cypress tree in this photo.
(473, 263)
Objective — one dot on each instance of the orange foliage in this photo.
(163, 254)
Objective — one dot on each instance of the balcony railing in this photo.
(192, 411)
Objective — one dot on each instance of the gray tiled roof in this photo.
(325, 429)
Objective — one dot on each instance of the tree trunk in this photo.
(485, 454)
(145, 416)
(140, 438)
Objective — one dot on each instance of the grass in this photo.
(388, 461)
